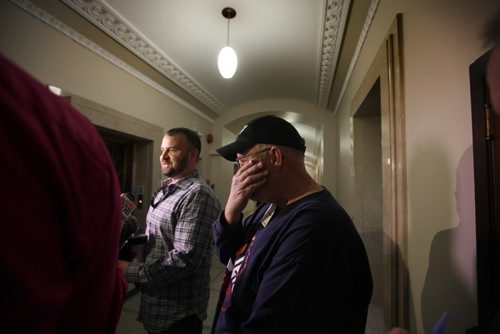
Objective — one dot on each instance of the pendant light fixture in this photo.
(227, 60)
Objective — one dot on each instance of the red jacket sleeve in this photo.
(60, 232)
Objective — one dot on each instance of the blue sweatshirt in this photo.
(305, 272)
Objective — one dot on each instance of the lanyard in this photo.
(167, 190)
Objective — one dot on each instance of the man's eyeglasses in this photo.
(243, 160)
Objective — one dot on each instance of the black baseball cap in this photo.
(264, 130)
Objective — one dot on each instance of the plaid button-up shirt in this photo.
(175, 277)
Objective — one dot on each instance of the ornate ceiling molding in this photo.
(359, 46)
(48, 19)
(112, 24)
(117, 28)
(333, 30)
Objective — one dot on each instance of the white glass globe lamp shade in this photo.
(227, 62)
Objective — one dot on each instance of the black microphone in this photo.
(128, 205)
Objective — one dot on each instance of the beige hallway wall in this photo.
(440, 40)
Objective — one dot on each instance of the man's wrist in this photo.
(231, 218)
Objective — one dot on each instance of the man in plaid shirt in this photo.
(175, 277)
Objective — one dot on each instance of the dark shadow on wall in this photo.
(450, 281)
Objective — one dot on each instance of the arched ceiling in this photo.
(286, 48)
(298, 50)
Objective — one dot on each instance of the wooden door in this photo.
(486, 129)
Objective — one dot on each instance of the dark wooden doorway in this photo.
(485, 130)
(121, 149)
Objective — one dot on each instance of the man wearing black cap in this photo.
(297, 265)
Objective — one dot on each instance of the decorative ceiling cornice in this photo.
(48, 19)
(117, 28)
(111, 23)
(333, 30)
(361, 41)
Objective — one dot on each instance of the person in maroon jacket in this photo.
(61, 215)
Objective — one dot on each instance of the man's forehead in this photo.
(248, 150)
(174, 140)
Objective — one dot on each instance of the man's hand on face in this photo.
(250, 177)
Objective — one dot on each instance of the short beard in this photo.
(181, 166)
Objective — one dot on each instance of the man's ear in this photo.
(194, 154)
(275, 157)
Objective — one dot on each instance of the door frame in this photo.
(146, 173)
(387, 67)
